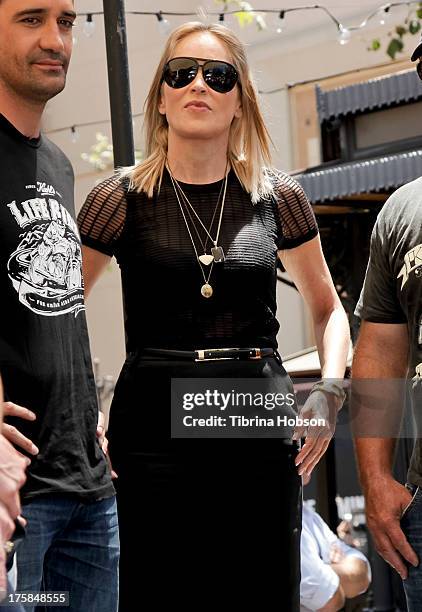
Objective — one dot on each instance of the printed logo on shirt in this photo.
(46, 267)
(412, 262)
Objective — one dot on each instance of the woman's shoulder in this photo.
(113, 186)
(285, 185)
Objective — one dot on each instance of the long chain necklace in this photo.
(204, 258)
(217, 251)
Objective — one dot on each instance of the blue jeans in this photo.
(71, 546)
(411, 524)
(16, 608)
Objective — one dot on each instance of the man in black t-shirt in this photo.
(51, 409)
(390, 349)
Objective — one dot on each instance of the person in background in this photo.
(331, 571)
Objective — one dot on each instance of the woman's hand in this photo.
(322, 407)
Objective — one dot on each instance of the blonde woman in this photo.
(196, 229)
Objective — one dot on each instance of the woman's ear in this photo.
(161, 107)
(161, 103)
(239, 111)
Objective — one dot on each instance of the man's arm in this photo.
(353, 574)
(336, 602)
(382, 353)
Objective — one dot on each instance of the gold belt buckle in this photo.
(201, 354)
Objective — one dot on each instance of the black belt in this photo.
(212, 354)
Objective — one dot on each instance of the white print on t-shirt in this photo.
(46, 267)
(418, 370)
(412, 261)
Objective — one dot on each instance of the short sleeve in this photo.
(295, 218)
(378, 302)
(102, 217)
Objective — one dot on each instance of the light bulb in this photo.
(344, 35)
(385, 15)
(74, 136)
(280, 22)
(164, 25)
(89, 26)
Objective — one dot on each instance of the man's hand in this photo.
(386, 500)
(7, 528)
(103, 441)
(12, 476)
(319, 405)
(12, 433)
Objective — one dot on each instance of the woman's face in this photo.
(212, 118)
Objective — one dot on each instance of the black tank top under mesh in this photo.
(161, 276)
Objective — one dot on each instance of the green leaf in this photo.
(419, 13)
(396, 45)
(400, 31)
(244, 18)
(376, 44)
(414, 26)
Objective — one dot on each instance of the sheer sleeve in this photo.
(295, 218)
(102, 217)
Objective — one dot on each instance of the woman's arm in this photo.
(93, 264)
(307, 268)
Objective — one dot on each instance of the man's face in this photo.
(35, 46)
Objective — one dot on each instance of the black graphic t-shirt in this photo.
(392, 291)
(44, 350)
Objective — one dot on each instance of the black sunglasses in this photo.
(180, 71)
(419, 68)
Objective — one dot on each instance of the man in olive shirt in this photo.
(389, 349)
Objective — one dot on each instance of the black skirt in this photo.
(202, 521)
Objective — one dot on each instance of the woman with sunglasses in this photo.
(196, 228)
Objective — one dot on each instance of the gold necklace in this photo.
(205, 258)
(217, 251)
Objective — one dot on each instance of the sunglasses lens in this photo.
(220, 76)
(180, 71)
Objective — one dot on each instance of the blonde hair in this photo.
(249, 140)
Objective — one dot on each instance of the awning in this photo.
(374, 94)
(352, 178)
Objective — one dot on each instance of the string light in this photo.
(279, 28)
(89, 26)
(382, 14)
(74, 135)
(164, 26)
(344, 35)
(385, 15)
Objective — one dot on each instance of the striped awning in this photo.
(375, 94)
(353, 178)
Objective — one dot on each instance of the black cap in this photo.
(417, 53)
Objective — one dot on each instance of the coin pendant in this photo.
(206, 290)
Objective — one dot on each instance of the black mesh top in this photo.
(162, 278)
